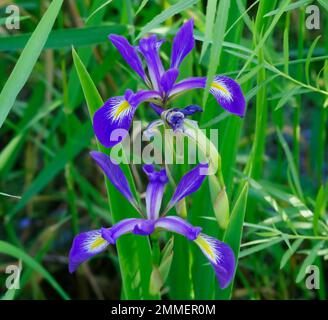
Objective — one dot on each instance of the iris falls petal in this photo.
(85, 245)
(155, 190)
(228, 94)
(226, 91)
(113, 120)
(220, 256)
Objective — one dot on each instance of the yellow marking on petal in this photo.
(219, 87)
(97, 243)
(121, 108)
(204, 245)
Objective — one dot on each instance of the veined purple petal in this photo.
(85, 245)
(220, 256)
(129, 54)
(188, 184)
(149, 47)
(155, 190)
(228, 94)
(118, 229)
(178, 225)
(156, 108)
(226, 91)
(168, 79)
(115, 175)
(183, 43)
(111, 123)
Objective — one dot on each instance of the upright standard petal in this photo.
(188, 184)
(85, 245)
(115, 175)
(168, 79)
(183, 43)
(155, 190)
(149, 47)
(111, 123)
(178, 225)
(226, 91)
(117, 230)
(129, 54)
(220, 256)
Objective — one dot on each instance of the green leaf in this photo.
(65, 38)
(308, 261)
(27, 60)
(291, 163)
(166, 14)
(287, 255)
(98, 9)
(9, 249)
(234, 232)
(209, 25)
(142, 5)
(267, 244)
(308, 59)
(290, 7)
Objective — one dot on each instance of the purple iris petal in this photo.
(183, 43)
(220, 256)
(129, 54)
(115, 175)
(149, 47)
(156, 108)
(188, 184)
(85, 245)
(179, 225)
(190, 110)
(155, 190)
(175, 119)
(118, 229)
(113, 120)
(168, 79)
(226, 91)
(144, 227)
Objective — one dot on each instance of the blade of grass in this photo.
(27, 60)
(166, 14)
(9, 249)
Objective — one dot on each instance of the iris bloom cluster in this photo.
(88, 244)
(118, 112)
(163, 87)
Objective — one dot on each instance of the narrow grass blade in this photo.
(27, 60)
(166, 14)
(9, 249)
